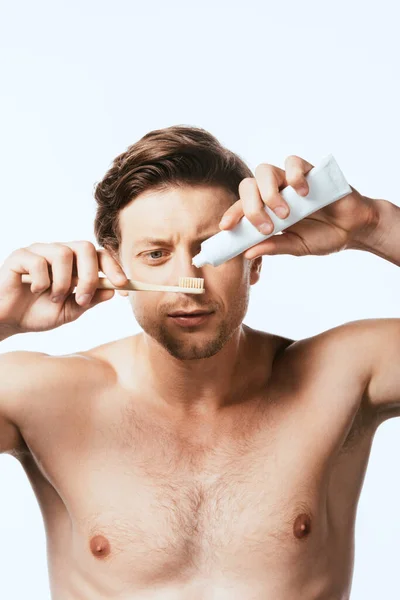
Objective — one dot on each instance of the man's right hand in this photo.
(28, 308)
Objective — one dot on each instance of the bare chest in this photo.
(166, 506)
(151, 504)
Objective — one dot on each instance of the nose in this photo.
(183, 267)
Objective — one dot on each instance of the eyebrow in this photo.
(158, 241)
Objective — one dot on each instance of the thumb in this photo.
(283, 243)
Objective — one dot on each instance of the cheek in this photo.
(138, 307)
(143, 306)
(235, 277)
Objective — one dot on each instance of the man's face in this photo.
(180, 218)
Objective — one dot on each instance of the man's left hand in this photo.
(327, 230)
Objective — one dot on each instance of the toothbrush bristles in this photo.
(191, 282)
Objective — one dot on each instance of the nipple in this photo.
(100, 546)
(302, 526)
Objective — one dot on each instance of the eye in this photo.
(154, 252)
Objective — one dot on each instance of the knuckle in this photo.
(254, 215)
(18, 252)
(40, 262)
(294, 162)
(295, 177)
(262, 168)
(246, 183)
(247, 186)
(292, 158)
(270, 199)
(32, 246)
(86, 246)
(63, 252)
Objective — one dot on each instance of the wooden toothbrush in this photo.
(189, 285)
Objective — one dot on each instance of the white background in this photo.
(82, 80)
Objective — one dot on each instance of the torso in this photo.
(261, 507)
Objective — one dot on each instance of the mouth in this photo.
(196, 317)
(192, 313)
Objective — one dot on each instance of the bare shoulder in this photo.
(111, 356)
(331, 373)
(355, 341)
(350, 358)
(30, 381)
(23, 371)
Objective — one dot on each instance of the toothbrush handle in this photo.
(132, 285)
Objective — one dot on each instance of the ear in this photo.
(255, 269)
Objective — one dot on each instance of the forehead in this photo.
(183, 208)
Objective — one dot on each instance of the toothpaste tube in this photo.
(326, 183)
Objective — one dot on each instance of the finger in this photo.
(23, 261)
(60, 259)
(253, 206)
(101, 296)
(111, 268)
(123, 293)
(296, 170)
(74, 310)
(270, 180)
(233, 215)
(87, 266)
(285, 243)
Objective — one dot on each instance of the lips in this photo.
(189, 314)
(191, 319)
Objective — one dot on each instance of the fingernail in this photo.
(225, 221)
(84, 298)
(303, 191)
(56, 299)
(265, 228)
(281, 212)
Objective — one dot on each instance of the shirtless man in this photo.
(198, 461)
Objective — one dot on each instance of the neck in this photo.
(200, 385)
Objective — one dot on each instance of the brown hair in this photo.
(161, 159)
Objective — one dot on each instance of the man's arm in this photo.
(373, 349)
(383, 391)
(354, 222)
(382, 336)
(21, 378)
(383, 237)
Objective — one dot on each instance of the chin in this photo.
(193, 351)
(191, 345)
